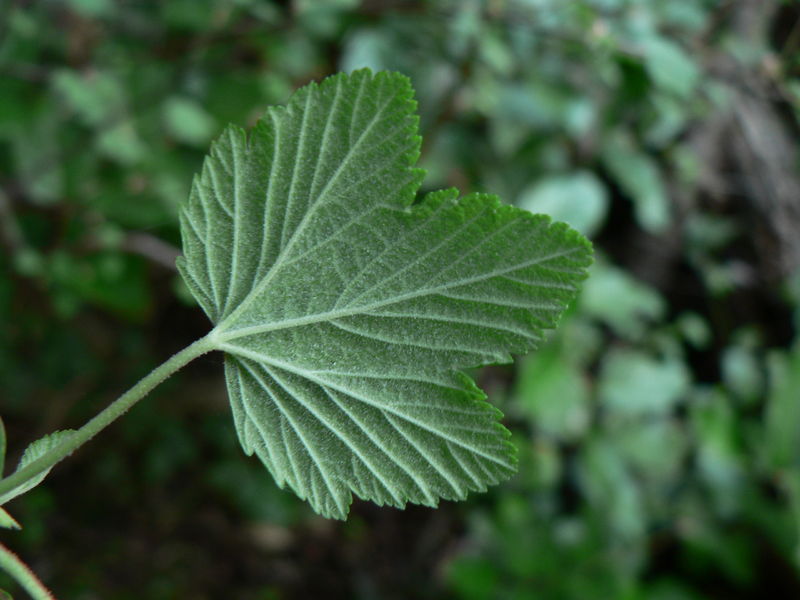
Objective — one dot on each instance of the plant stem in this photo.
(115, 410)
(12, 565)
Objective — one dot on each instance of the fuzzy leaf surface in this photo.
(347, 311)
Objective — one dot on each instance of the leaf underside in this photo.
(347, 311)
(35, 450)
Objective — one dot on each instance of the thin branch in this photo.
(151, 247)
(13, 565)
(110, 414)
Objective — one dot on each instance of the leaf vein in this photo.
(235, 350)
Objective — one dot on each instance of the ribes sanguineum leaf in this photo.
(347, 310)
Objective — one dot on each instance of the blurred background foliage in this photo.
(658, 430)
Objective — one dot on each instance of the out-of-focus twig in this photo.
(151, 247)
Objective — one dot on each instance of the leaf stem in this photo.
(112, 412)
(12, 565)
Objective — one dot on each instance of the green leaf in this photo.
(579, 199)
(7, 521)
(782, 435)
(2, 447)
(611, 487)
(187, 121)
(633, 383)
(555, 394)
(616, 298)
(670, 67)
(347, 311)
(93, 8)
(96, 99)
(640, 177)
(32, 452)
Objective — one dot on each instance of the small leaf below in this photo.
(7, 521)
(32, 452)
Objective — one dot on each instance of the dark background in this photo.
(658, 430)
